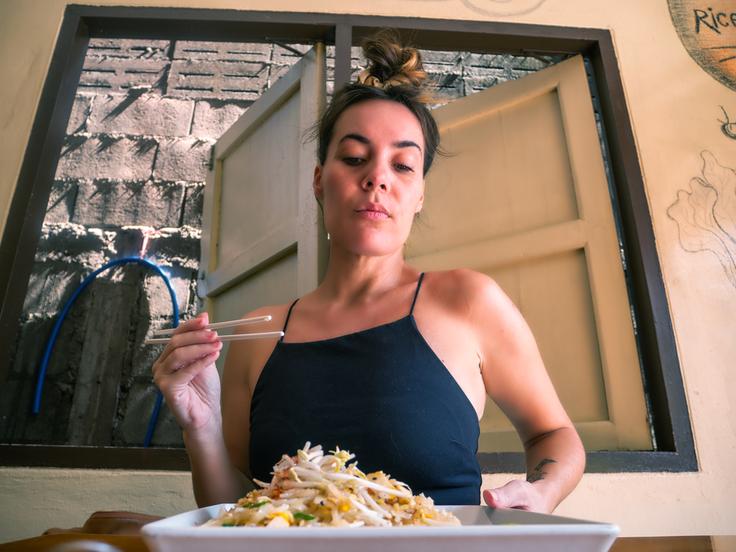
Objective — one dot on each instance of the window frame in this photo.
(675, 450)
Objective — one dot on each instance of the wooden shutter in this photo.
(262, 241)
(524, 198)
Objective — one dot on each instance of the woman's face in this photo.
(371, 184)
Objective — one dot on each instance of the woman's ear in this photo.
(421, 201)
(317, 183)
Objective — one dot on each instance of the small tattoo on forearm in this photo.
(538, 472)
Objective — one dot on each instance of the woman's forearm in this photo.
(214, 478)
(555, 463)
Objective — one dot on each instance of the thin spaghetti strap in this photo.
(416, 293)
(288, 315)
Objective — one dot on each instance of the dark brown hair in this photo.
(394, 73)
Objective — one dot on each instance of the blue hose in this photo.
(55, 333)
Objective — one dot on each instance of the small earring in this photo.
(328, 236)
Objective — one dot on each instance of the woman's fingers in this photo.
(182, 357)
(188, 338)
(494, 499)
(196, 323)
(187, 373)
(515, 494)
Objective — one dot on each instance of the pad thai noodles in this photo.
(317, 489)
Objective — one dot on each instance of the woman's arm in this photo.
(219, 455)
(516, 379)
(214, 416)
(225, 452)
(555, 463)
(186, 374)
(214, 477)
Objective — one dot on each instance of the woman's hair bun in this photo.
(390, 63)
(394, 73)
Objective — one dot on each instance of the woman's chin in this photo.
(373, 247)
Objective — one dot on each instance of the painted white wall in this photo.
(674, 109)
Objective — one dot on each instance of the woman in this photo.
(381, 360)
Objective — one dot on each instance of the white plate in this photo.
(484, 529)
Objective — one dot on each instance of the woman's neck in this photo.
(351, 279)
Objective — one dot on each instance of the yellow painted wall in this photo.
(34, 499)
(674, 109)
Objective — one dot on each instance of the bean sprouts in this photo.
(316, 489)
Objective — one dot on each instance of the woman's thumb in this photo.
(511, 495)
(493, 498)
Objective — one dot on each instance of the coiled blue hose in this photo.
(55, 333)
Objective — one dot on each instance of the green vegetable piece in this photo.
(304, 516)
(255, 504)
(228, 524)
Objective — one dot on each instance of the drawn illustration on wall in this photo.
(500, 7)
(728, 127)
(706, 214)
(708, 32)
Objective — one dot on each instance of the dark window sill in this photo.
(61, 456)
(175, 459)
(604, 461)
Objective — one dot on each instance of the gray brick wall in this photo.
(130, 181)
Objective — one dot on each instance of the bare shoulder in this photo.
(276, 312)
(476, 301)
(246, 358)
(467, 293)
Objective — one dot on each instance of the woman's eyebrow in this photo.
(363, 140)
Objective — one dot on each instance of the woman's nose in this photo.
(376, 177)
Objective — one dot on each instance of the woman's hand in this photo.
(186, 375)
(517, 494)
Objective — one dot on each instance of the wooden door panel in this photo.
(272, 285)
(262, 241)
(554, 295)
(523, 197)
(263, 171)
(518, 161)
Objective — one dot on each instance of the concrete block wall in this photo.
(130, 181)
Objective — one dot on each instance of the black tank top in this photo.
(382, 394)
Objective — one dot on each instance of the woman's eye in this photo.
(352, 160)
(404, 168)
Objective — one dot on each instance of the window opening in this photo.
(129, 183)
(655, 333)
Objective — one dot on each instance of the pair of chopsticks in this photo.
(160, 335)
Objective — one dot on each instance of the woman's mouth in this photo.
(372, 214)
(372, 211)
